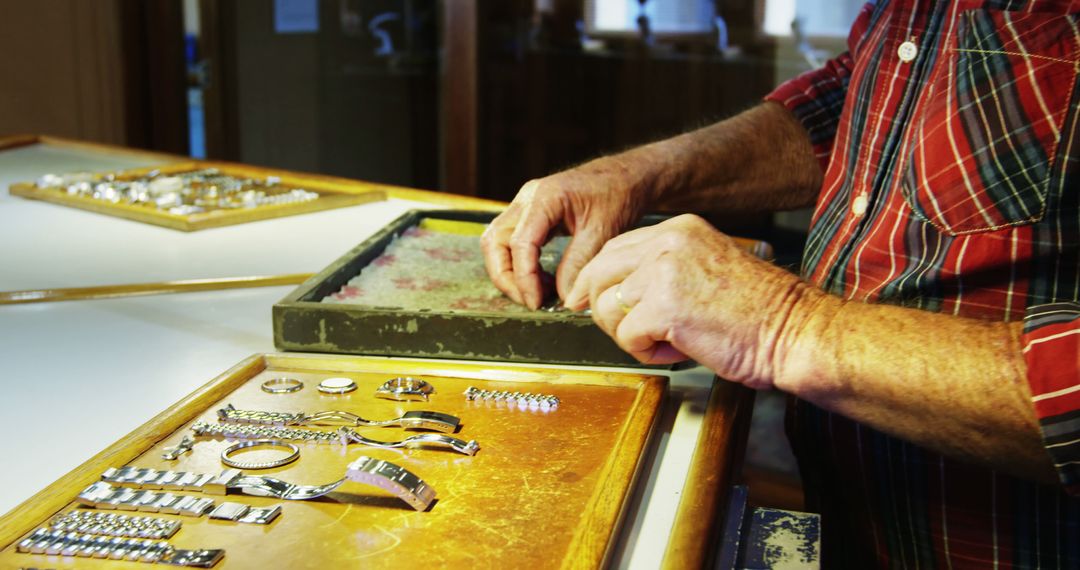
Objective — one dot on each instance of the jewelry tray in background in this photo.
(302, 322)
(547, 488)
(333, 193)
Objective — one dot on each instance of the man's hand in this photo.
(592, 202)
(682, 289)
(730, 166)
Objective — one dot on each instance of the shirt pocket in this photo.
(985, 143)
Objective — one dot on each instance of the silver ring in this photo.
(227, 460)
(337, 386)
(282, 385)
(618, 299)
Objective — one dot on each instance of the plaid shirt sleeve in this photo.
(1052, 354)
(816, 97)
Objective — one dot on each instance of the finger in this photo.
(607, 312)
(644, 330)
(618, 257)
(532, 230)
(644, 335)
(495, 246)
(581, 249)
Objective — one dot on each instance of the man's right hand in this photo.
(592, 202)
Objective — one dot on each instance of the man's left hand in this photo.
(681, 289)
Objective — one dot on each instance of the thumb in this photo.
(581, 249)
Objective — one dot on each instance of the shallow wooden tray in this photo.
(333, 193)
(547, 489)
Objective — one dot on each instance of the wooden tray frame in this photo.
(718, 457)
(443, 199)
(594, 533)
(332, 194)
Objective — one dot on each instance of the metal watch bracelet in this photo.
(426, 420)
(343, 435)
(58, 542)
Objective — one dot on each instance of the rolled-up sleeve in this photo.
(1051, 342)
(816, 97)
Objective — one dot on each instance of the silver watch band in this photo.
(58, 542)
(343, 435)
(420, 419)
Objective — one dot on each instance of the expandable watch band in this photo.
(102, 495)
(393, 478)
(58, 542)
(115, 524)
(132, 480)
(427, 420)
(343, 435)
(524, 399)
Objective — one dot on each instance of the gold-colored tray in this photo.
(333, 193)
(546, 490)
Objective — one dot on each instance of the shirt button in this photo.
(858, 206)
(907, 51)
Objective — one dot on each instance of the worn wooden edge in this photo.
(38, 508)
(16, 141)
(512, 372)
(598, 529)
(717, 457)
(141, 289)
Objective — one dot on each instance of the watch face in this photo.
(337, 385)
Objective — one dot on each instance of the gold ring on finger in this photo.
(618, 299)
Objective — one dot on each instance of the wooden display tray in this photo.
(547, 489)
(333, 193)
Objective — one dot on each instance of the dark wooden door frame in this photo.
(152, 34)
(460, 93)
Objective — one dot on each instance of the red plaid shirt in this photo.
(952, 172)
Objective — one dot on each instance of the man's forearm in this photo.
(759, 160)
(951, 384)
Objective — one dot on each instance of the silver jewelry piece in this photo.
(102, 494)
(342, 436)
(405, 388)
(434, 439)
(85, 545)
(232, 512)
(181, 193)
(337, 386)
(114, 524)
(227, 459)
(434, 421)
(229, 480)
(524, 399)
(174, 452)
(393, 478)
(282, 385)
